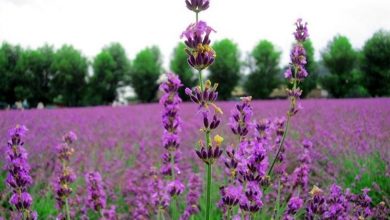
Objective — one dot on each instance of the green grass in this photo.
(371, 169)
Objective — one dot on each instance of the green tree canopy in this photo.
(14, 80)
(341, 60)
(311, 81)
(226, 69)
(146, 70)
(265, 74)
(111, 68)
(376, 64)
(180, 66)
(38, 64)
(70, 71)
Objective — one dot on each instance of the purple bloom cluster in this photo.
(171, 123)
(251, 202)
(195, 190)
(18, 177)
(240, 118)
(301, 173)
(109, 214)
(211, 120)
(197, 5)
(246, 164)
(294, 204)
(160, 198)
(64, 173)
(342, 205)
(297, 71)
(200, 53)
(175, 188)
(96, 197)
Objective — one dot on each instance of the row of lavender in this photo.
(255, 177)
(133, 185)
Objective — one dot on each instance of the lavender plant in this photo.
(65, 175)
(172, 126)
(295, 73)
(200, 56)
(18, 178)
(96, 196)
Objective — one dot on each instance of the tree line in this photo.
(66, 77)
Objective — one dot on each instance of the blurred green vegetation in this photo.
(370, 171)
(265, 71)
(66, 77)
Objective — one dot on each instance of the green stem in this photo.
(173, 165)
(280, 144)
(277, 205)
(197, 16)
(292, 104)
(208, 188)
(174, 208)
(201, 81)
(229, 213)
(67, 209)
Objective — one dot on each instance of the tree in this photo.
(111, 68)
(226, 69)
(376, 64)
(311, 81)
(14, 80)
(146, 70)
(265, 75)
(38, 65)
(341, 60)
(70, 71)
(180, 66)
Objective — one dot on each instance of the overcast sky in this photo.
(90, 24)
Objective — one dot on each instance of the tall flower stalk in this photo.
(18, 177)
(65, 175)
(200, 56)
(172, 126)
(296, 73)
(96, 195)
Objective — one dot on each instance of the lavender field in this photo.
(350, 147)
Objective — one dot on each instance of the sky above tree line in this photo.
(89, 25)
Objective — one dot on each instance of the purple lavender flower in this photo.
(297, 72)
(64, 175)
(316, 205)
(195, 190)
(209, 154)
(96, 197)
(381, 211)
(301, 33)
(263, 128)
(204, 98)
(109, 214)
(251, 202)
(231, 195)
(175, 188)
(18, 177)
(69, 137)
(171, 123)
(240, 118)
(337, 204)
(294, 204)
(301, 173)
(200, 53)
(197, 5)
